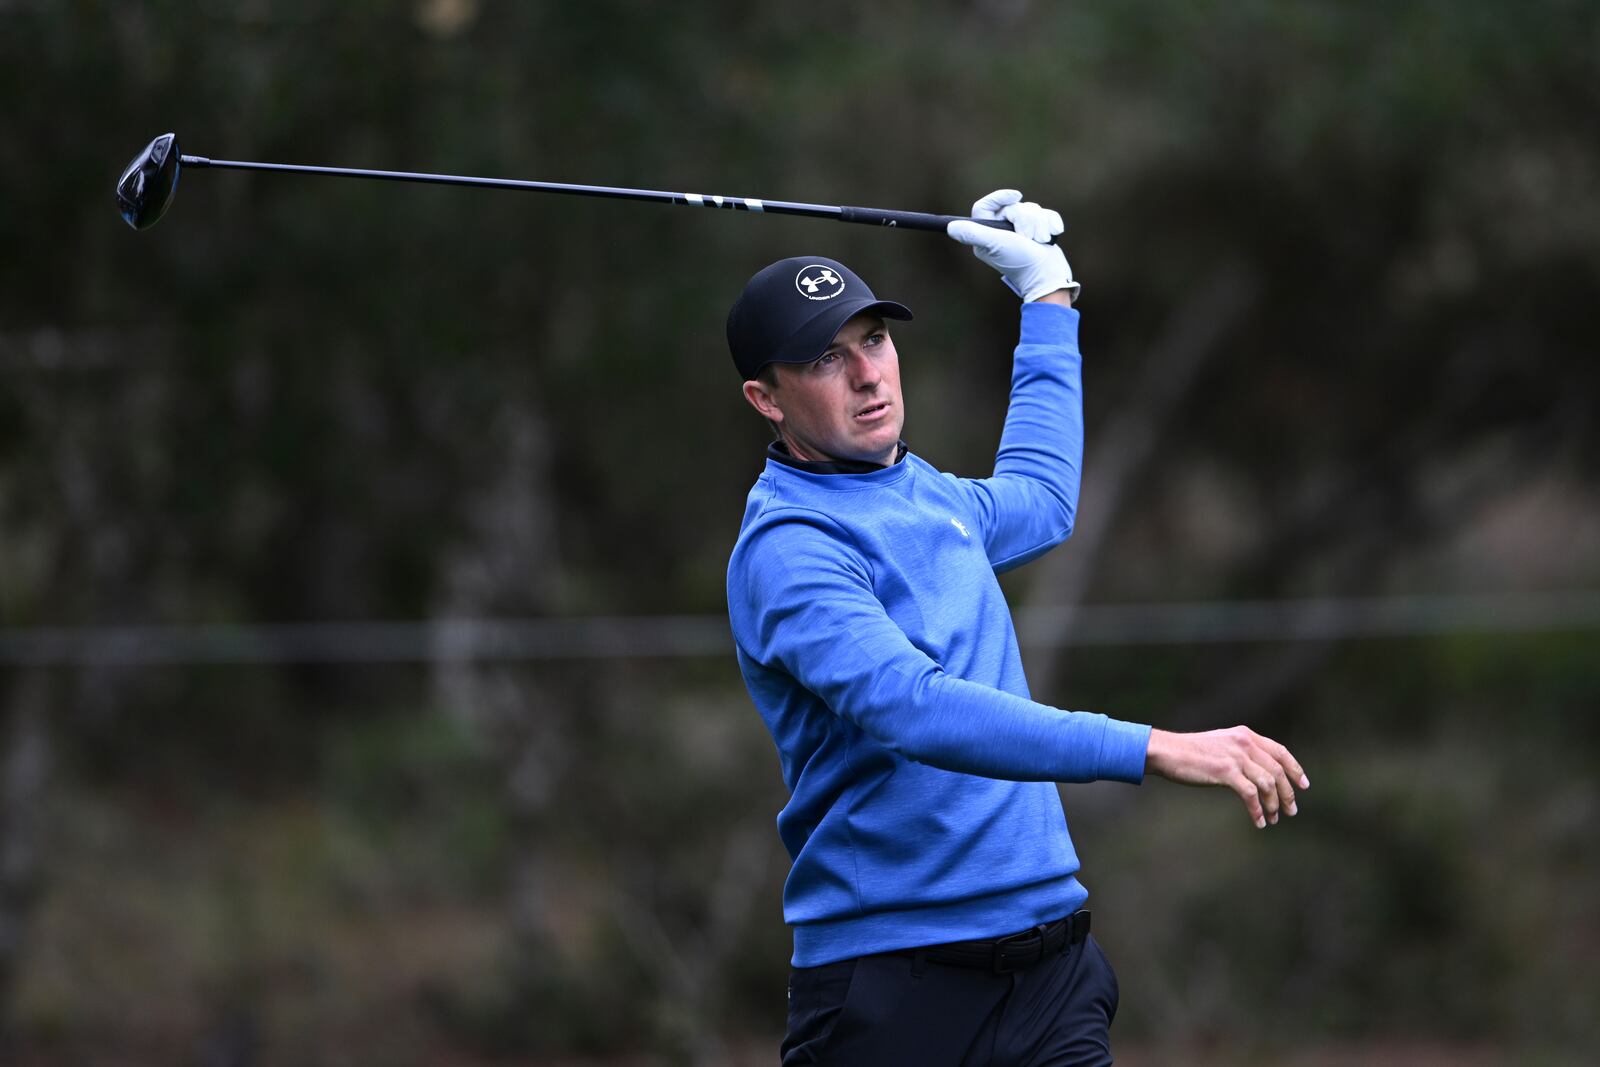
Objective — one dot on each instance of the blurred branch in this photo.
(507, 562)
(1127, 445)
(688, 969)
(24, 771)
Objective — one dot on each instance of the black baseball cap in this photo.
(791, 310)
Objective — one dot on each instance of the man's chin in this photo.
(879, 451)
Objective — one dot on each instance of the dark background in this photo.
(1341, 267)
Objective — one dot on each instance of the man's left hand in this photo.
(1025, 256)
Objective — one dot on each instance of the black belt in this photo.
(1016, 952)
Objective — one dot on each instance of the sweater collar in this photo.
(779, 451)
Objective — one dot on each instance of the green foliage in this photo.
(415, 809)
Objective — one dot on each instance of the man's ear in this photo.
(759, 394)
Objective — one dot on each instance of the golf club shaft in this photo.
(915, 220)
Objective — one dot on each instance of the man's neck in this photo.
(779, 451)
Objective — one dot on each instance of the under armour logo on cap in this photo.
(817, 282)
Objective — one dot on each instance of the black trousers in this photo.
(881, 1011)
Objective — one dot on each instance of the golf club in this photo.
(147, 186)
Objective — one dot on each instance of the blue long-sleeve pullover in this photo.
(878, 647)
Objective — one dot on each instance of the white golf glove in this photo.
(1025, 257)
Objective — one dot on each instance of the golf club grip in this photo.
(911, 220)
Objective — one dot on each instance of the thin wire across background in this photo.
(685, 636)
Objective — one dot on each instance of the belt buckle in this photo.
(1001, 963)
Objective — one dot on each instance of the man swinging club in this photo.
(933, 897)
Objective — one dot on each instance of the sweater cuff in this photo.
(1122, 751)
(1049, 324)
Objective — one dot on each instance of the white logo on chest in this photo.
(963, 529)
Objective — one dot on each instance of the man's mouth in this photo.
(873, 412)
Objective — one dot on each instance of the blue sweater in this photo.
(878, 647)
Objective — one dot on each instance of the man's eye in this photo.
(826, 359)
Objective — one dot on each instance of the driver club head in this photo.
(146, 187)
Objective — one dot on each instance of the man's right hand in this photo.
(1260, 770)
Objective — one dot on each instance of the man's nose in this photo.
(864, 372)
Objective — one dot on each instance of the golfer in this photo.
(934, 899)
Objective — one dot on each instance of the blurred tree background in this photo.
(1341, 268)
